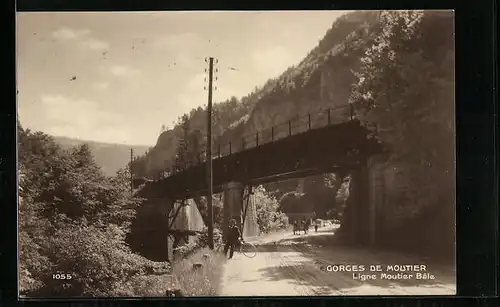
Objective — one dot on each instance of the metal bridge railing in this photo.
(293, 126)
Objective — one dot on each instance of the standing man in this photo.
(233, 237)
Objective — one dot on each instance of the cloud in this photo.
(101, 85)
(80, 118)
(68, 33)
(122, 71)
(82, 36)
(94, 44)
(80, 111)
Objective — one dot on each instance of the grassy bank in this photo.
(204, 281)
(146, 286)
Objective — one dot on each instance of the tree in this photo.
(189, 146)
(217, 205)
(72, 219)
(405, 95)
(195, 146)
(268, 215)
(182, 156)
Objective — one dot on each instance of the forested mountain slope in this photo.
(110, 157)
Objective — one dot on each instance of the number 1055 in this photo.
(61, 276)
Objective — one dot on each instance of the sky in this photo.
(117, 77)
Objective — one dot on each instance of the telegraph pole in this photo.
(131, 175)
(209, 156)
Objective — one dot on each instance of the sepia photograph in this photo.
(236, 153)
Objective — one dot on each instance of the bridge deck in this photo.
(340, 146)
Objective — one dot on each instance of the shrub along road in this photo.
(298, 265)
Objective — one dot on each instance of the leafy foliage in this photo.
(189, 150)
(268, 215)
(145, 285)
(217, 205)
(199, 242)
(73, 220)
(405, 95)
(97, 258)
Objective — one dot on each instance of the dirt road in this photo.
(296, 265)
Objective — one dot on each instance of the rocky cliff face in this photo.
(322, 80)
(158, 157)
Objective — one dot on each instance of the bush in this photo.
(205, 281)
(144, 285)
(97, 259)
(73, 220)
(33, 262)
(200, 241)
(32, 265)
(202, 238)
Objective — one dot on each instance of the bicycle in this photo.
(248, 249)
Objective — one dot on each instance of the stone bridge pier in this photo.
(165, 205)
(234, 208)
(363, 221)
(149, 229)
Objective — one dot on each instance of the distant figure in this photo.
(233, 237)
(300, 226)
(303, 225)
(316, 226)
(296, 228)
